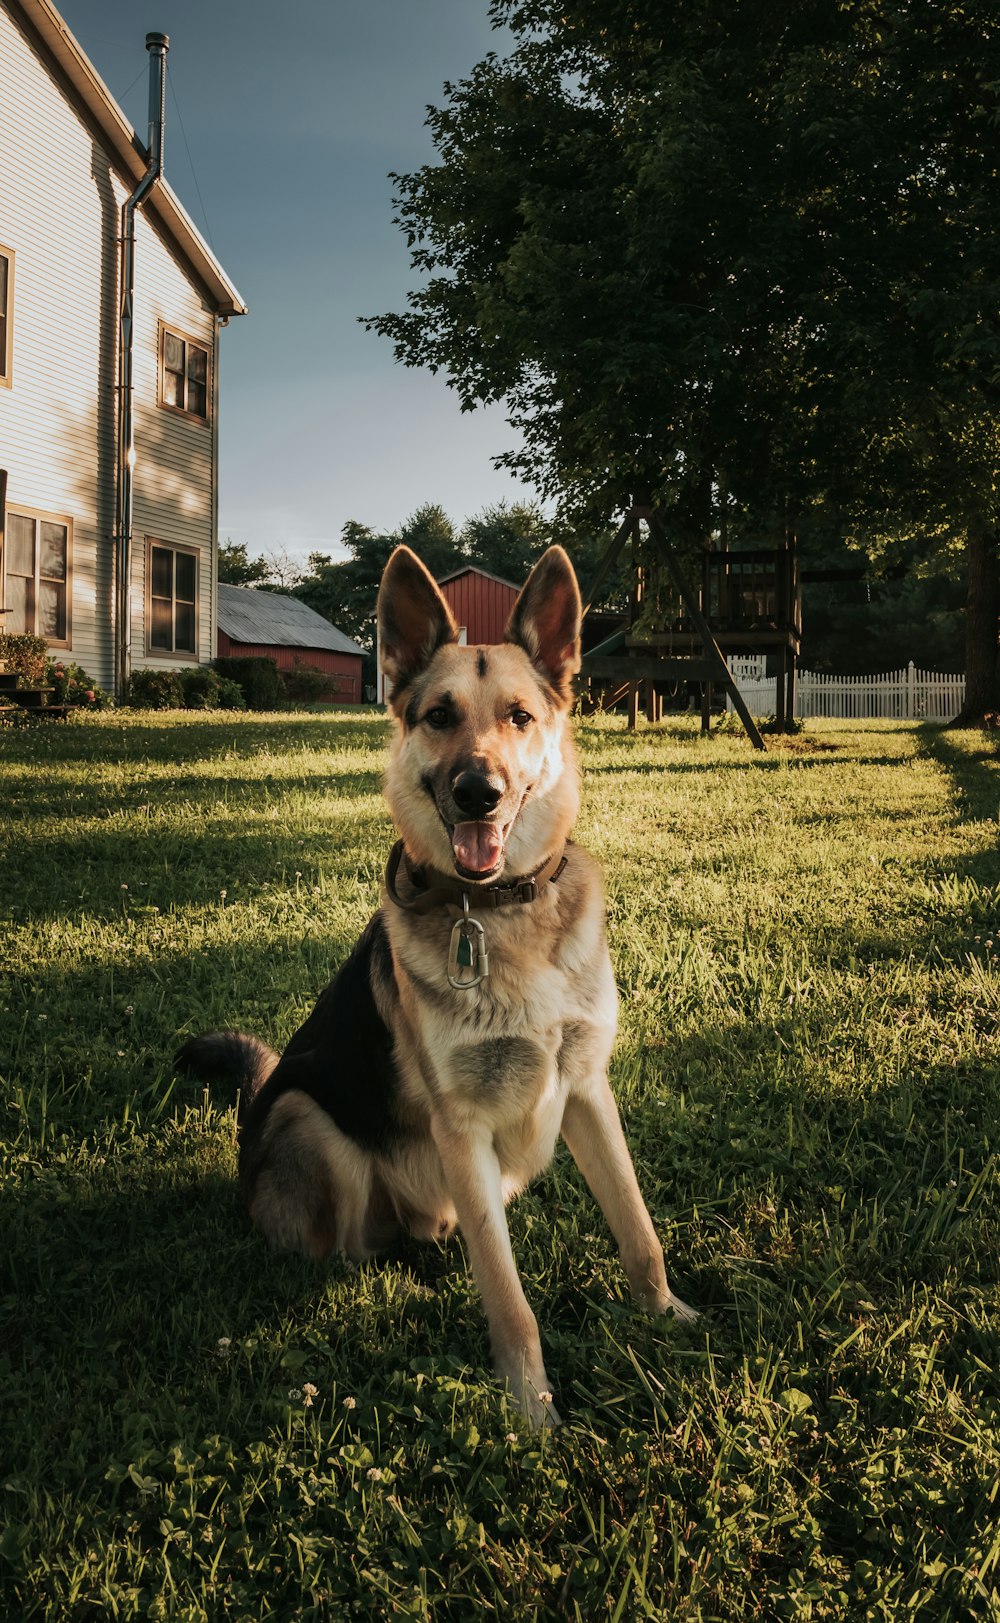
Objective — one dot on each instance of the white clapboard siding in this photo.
(906, 695)
(173, 474)
(57, 421)
(60, 203)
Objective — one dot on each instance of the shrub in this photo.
(72, 685)
(26, 655)
(230, 695)
(200, 687)
(155, 690)
(307, 684)
(258, 678)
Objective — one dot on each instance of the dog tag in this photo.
(468, 960)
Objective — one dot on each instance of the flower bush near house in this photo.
(71, 685)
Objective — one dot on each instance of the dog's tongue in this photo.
(477, 846)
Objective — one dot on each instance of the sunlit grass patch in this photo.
(808, 950)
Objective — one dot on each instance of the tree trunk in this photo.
(982, 627)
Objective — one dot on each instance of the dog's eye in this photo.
(438, 717)
(520, 718)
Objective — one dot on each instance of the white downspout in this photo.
(157, 45)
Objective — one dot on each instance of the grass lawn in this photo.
(808, 950)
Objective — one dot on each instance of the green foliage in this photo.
(257, 679)
(307, 684)
(747, 272)
(809, 1075)
(155, 690)
(237, 569)
(26, 655)
(230, 695)
(713, 260)
(344, 592)
(200, 687)
(71, 685)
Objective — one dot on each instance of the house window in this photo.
(6, 314)
(183, 374)
(172, 621)
(36, 567)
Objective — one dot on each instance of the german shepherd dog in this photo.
(473, 1022)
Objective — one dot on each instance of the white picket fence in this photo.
(907, 695)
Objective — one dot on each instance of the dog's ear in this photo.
(545, 620)
(414, 620)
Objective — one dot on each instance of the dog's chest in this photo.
(496, 1047)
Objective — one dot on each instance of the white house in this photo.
(110, 309)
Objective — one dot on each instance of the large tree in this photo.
(738, 258)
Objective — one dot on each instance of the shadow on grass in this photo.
(763, 763)
(975, 776)
(113, 869)
(128, 740)
(193, 792)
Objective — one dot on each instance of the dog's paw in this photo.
(535, 1403)
(542, 1412)
(680, 1310)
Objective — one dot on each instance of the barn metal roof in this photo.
(269, 617)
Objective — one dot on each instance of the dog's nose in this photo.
(475, 794)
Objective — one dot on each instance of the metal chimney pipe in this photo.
(157, 45)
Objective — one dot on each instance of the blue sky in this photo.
(294, 114)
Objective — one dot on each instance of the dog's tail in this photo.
(229, 1057)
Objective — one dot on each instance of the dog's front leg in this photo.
(592, 1128)
(473, 1175)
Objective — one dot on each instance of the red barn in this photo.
(257, 625)
(480, 602)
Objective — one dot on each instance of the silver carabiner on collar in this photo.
(467, 951)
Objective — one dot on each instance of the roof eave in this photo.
(130, 154)
(474, 569)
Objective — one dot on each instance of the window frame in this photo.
(7, 369)
(183, 656)
(184, 338)
(38, 517)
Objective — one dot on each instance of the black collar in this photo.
(439, 890)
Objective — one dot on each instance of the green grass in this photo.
(808, 950)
